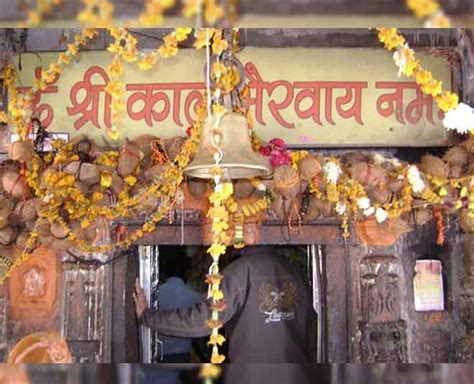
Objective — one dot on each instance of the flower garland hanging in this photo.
(152, 14)
(20, 106)
(458, 116)
(125, 48)
(59, 195)
(97, 13)
(35, 17)
(218, 212)
(430, 12)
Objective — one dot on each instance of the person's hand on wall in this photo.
(140, 300)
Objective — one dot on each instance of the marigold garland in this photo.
(100, 13)
(430, 12)
(19, 107)
(458, 116)
(43, 9)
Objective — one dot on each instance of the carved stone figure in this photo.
(384, 342)
(379, 279)
(34, 288)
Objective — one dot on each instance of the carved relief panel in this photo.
(379, 277)
(34, 288)
(87, 312)
(384, 342)
(382, 333)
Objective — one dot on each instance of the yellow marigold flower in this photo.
(218, 69)
(114, 88)
(149, 227)
(210, 371)
(423, 8)
(170, 40)
(216, 294)
(130, 180)
(105, 179)
(148, 61)
(3, 117)
(80, 39)
(439, 21)
(115, 48)
(217, 358)
(447, 101)
(167, 51)
(216, 340)
(216, 250)
(85, 223)
(219, 110)
(219, 46)
(97, 196)
(130, 55)
(191, 8)
(391, 38)
(113, 133)
(213, 12)
(34, 18)
(65, 59)
(48, 76)
(432, 88)
(423, 76)
(203, 37)
(72, 48)
(182, 33)
(115, 68)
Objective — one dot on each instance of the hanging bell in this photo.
(239, 160)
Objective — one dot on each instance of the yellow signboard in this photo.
(306, 96)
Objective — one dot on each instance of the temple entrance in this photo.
(190, 265)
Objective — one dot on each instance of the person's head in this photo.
(174, 262)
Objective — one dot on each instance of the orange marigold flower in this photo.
(214, 324)
(214, 279)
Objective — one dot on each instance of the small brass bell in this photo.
(239, 159)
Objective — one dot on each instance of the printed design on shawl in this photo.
(278, 304)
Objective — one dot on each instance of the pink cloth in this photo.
(278, 153)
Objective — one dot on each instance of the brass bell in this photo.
(239, 159)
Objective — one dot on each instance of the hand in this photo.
(140, 300)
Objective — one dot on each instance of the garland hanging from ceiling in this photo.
(429, 12)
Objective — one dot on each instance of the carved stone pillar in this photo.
(382, 332)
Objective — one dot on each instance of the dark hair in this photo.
(174, 262)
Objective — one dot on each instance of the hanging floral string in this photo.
(36, 16)
(100, 13)
(458, 116)
(125, 48)
(218, 214)
(20, 106)
(429, 12)
(97, 13)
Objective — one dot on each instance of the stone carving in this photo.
(34, 288)
(87, 307)
(379, 279)
(384, 342)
